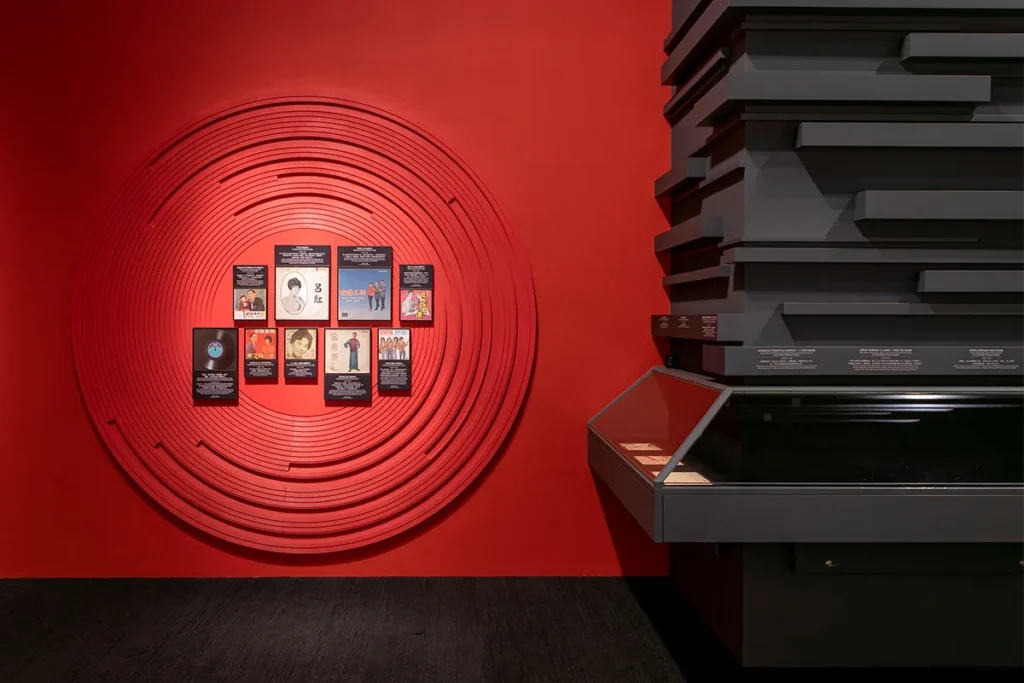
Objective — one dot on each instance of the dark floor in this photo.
(372, 630)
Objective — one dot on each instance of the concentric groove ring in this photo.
(309, 479)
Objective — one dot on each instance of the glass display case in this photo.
(697, 461)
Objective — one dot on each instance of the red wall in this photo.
(555, 104)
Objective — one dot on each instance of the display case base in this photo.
(858, 605)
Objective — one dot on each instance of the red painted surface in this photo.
(555, 108)
(280, 470)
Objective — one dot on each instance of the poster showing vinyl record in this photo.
(214, 363)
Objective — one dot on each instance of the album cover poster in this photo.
(300, 353)
(416, 292)
(394, 359)
(364, 283)
(214, 363)
(347, 364)
(250, 288)
(303, 275)
(259, 355)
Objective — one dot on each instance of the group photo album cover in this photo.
(364, 283)
(394, 359)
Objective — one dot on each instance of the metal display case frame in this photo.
(722, 512)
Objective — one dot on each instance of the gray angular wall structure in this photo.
(846, 194)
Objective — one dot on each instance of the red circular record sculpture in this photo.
(281, 470)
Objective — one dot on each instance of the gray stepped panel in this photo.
(691, 47)
(939, 206)
(910, 135)
(861, 211)
(692, 19)
(906, 323)
(855, 86)
(963, 47)
(679, 179)
(838, 281)
(835, 87)
(856, 255)
(849, 323)
(855, 308)
(689, 92)
(690, 233)
(701, 275)
(971, 281)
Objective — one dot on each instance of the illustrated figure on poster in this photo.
(371, 295)
(250, 345)
(243, 304)
(293, 302)
(353, 353)
(269, 348)
(381, 291)
(301, 345)
(254, 302)
(401, 345)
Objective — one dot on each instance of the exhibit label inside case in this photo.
(347, 355)
(214, 363)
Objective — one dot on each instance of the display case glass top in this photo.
(681, 429)
(650, 421)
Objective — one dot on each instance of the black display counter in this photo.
(885, 505)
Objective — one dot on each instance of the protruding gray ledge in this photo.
(945, 205)
(971, 281)
(691, 232)
(878, 308)
(932, 135)
(691, 43)
(696, 169)
(713, 273)
(890, 256)
(964, 46)
(689, 91)
(854, 86)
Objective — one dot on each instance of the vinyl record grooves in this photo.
(215, 350)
